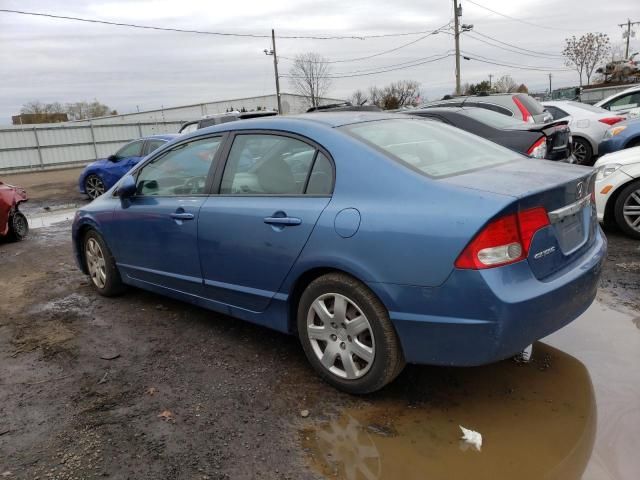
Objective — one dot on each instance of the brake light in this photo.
(611, 120)
(526, 116)
(538, 149)
(504, 240)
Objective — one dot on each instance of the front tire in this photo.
(18, 226)
(101, 265)
(94, 186)
(347, 336)
(627, 209)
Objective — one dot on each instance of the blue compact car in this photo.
(622, 135)
(378, 239)
(101, 175)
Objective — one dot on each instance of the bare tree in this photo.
(358, 97)
(399, 94)
(584, 53)
(85, 110)
(309, 77)
(522, 88)
(506, 84)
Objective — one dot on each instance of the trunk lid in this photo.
(565, 193)
(558, 135)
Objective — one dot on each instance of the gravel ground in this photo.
(141, 386)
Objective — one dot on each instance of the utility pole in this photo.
(629, 24)
(490, 78)
(550, 84)
(275, 67)
(457, 12)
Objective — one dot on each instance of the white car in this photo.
(618, 190)
(588, 125)
(625, 102)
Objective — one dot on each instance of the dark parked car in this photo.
(99, 176)
(405, 240)
(13, 223)
(549, 141)
(218, 118)
(516, 105)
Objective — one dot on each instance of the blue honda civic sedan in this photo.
(101, 175)
(378, 239)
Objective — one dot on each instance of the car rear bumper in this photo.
(479, 317)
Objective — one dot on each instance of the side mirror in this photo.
(112, 158)
(127, 187)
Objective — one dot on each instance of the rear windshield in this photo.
(531, 104)
(494, 119)
(432, 148)
(589, 108)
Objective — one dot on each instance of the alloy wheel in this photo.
(96, 263)
(580, 152)
(341, 336)
(631, 210)
(94, 186)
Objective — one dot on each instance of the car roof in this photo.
(162, 136)
(327, 119)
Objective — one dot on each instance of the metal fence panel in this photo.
(54, 146)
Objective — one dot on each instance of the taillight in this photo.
(611, 120)
(504, 240)
(539, 149)
(526, 116)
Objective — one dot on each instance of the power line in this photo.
(380, 71)
(205, 32)
(516, 19)
(520, 52)
(367, 57)
(395, 64)
(483, 59)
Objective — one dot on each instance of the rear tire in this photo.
(18, 226)
(582, 151)
(103, 272)
(627, 209)
(347, 335)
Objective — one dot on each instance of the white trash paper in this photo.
(471, 437)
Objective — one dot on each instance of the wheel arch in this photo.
(609, 213)
(79, 234)
(633, 141)
(303, 280)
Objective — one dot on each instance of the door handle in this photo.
(283, 221)
(182, 216)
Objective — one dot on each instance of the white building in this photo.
(291, 104)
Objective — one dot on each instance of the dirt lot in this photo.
(144, 387)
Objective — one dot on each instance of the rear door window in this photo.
(431, 148)
(267, 164)
(631, 100)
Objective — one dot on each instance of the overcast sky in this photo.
(65, 61)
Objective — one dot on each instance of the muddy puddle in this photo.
(43, 219)
(572, 412)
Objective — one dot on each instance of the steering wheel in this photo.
(195, 184)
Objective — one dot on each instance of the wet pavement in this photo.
(572, 412)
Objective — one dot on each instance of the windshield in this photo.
(494, 119)
(429, 147)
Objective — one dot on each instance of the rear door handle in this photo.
(285, 221)
(182, 216)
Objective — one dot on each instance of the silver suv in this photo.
(518, 105)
